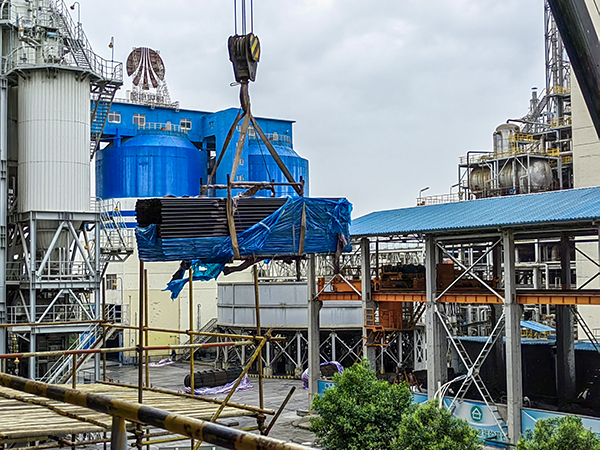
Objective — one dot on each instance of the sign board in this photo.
(323, 385)
(529, 418)
(477, 414)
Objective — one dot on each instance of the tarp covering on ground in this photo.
(327, 229)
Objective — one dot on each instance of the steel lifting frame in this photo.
(473, 367)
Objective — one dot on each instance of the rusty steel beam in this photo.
(147, 415)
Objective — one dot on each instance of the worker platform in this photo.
(26, 417)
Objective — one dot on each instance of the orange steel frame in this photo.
(523, 298)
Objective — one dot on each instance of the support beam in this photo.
(565, 336)
(437, 344)
(365, 273)
(314, 337)
(118, 434)
(514, 370)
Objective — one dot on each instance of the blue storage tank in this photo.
(262, 166)
(152, 164)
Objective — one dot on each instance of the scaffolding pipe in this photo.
(90, 351)
(143, 414)
(195, 333)
(146, 323)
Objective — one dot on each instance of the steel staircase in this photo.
(63, 367)
(103, 95)
(199, 338)
(473, 368)
(581, 322)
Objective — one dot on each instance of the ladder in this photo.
(199, 338)
(103, 95)
(473, 368)
(116, 238)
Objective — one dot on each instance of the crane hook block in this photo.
(244, 54)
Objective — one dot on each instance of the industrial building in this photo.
(427, 293)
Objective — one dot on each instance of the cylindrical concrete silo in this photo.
(54, 136)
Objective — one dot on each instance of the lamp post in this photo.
(111, 45)
(78, 18)
(419, 202)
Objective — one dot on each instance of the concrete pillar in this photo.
(514, 370)
(565, 337)
(298, 370)
(333, 349)
(437, 342)
(314, 339)
(365, 270)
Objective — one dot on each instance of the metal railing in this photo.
(74, 312)
(155, 126)
(33, 53)
(275, 137)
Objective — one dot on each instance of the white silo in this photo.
(54, 135)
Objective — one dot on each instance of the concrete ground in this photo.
(289, 426)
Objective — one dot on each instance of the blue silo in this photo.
(154, 163)
(262, 166)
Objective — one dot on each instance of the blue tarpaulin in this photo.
(327, 222)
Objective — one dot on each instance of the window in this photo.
(139, 120)
(241, 161)
(251, 131)
(240, 178)
(111, 281)
(211, 125)
(114, 117)
(186, 124)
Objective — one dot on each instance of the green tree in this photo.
(359, 412)
(429, 427)
(559, 434)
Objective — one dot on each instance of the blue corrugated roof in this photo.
(579, 345)
(537, 327)
(556, 206)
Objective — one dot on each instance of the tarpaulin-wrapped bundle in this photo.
(279, 234)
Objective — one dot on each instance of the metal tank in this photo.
(479, 180)
(154, 163)
(262, 167)
(502, 137)
(54, 141)
(536, 177)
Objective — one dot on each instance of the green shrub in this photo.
(565, 433)
(429, 427)
(359, 412)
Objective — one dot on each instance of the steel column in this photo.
(514, 370)
(365, 273)
(3, 202)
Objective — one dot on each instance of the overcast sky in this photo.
(386, 94)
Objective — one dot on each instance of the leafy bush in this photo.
(559, 434)
(429, 427)
(359, 412)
